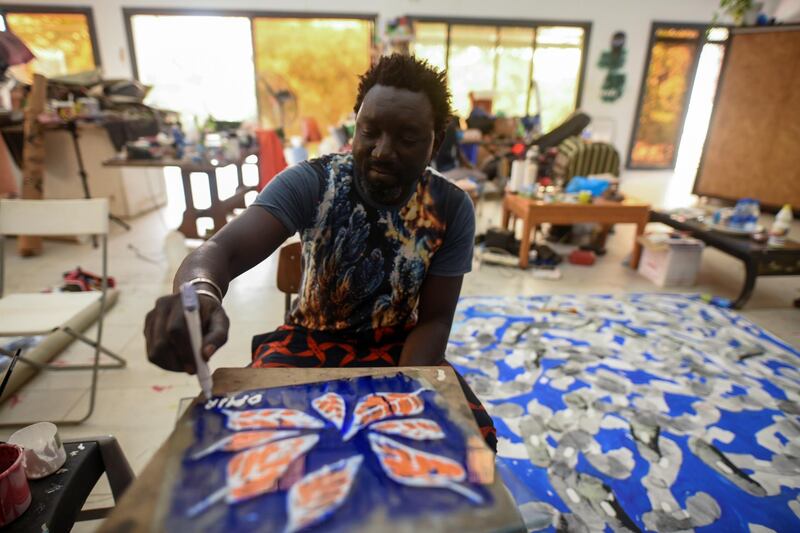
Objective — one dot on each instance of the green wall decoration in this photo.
(613, 60)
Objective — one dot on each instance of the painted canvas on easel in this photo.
(327, 456)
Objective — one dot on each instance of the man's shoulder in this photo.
(444, 190)
(314, 171)
(332, 160)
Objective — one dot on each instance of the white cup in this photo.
(44, 452)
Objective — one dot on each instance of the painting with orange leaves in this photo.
(322, 457)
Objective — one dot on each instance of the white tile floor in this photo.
(139, 404)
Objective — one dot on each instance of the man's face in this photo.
(393, 143)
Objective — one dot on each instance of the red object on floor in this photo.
(81, 280)
(582, 257)
(270, 156)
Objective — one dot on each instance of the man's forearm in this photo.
(234, 249)
(425, 345)
(209, 261)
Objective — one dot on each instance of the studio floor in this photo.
(139, 404)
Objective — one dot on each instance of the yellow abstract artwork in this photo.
(664, 103)
(61, 42)
(312, 66)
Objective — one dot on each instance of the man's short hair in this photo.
(408, 72)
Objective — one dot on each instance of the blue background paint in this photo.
(371, 490)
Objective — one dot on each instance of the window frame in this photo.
(51, 9)
(701, 41)
(534, 24)
(251, 14)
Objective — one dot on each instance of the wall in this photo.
(607, 16)
(788, 11)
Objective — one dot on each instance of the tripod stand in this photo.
(72, 127)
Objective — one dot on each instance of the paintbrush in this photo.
(10, 369)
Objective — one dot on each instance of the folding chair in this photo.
(45, 313)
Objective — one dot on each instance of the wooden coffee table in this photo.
(535, 212)
(759, 259)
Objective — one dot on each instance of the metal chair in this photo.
(46, 313)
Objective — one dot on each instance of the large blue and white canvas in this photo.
(639, 412)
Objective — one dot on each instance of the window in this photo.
(309, 67)
(509, 61)
(61, 38)
(196, 65)
(666, 88)
(557, 71)
(430, 43)
(276, 69)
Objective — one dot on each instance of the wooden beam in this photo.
(33, 158)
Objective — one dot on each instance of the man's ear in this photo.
(438, 138)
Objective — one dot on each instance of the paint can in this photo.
(15, 493)
(44, 451)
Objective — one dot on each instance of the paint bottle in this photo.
(780, 228)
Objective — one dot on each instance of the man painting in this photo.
(386, 242)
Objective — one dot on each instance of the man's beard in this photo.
(381, 193)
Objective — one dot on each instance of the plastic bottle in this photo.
(753, 213)
(780, 228)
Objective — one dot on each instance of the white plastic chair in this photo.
(45, 313)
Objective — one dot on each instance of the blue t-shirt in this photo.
(363, 265)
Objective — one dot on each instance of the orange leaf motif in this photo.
(257, 471)
(410, 428)
(381, 405)
(332, 407)
(271, 419)
(320, 493)
(242, 441)
(409, 466)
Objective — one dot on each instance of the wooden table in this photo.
(535, 212)
(144, 504)
(218, 211)
(759, 259)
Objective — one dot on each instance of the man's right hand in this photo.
(167, 336)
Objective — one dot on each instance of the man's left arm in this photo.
(438, 296)
(426, 344)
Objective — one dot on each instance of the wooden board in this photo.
(146, 501)
(752, 145)
(33, 158)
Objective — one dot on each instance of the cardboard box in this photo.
(670, 262)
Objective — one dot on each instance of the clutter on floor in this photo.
(670, 260)
(582, 257)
